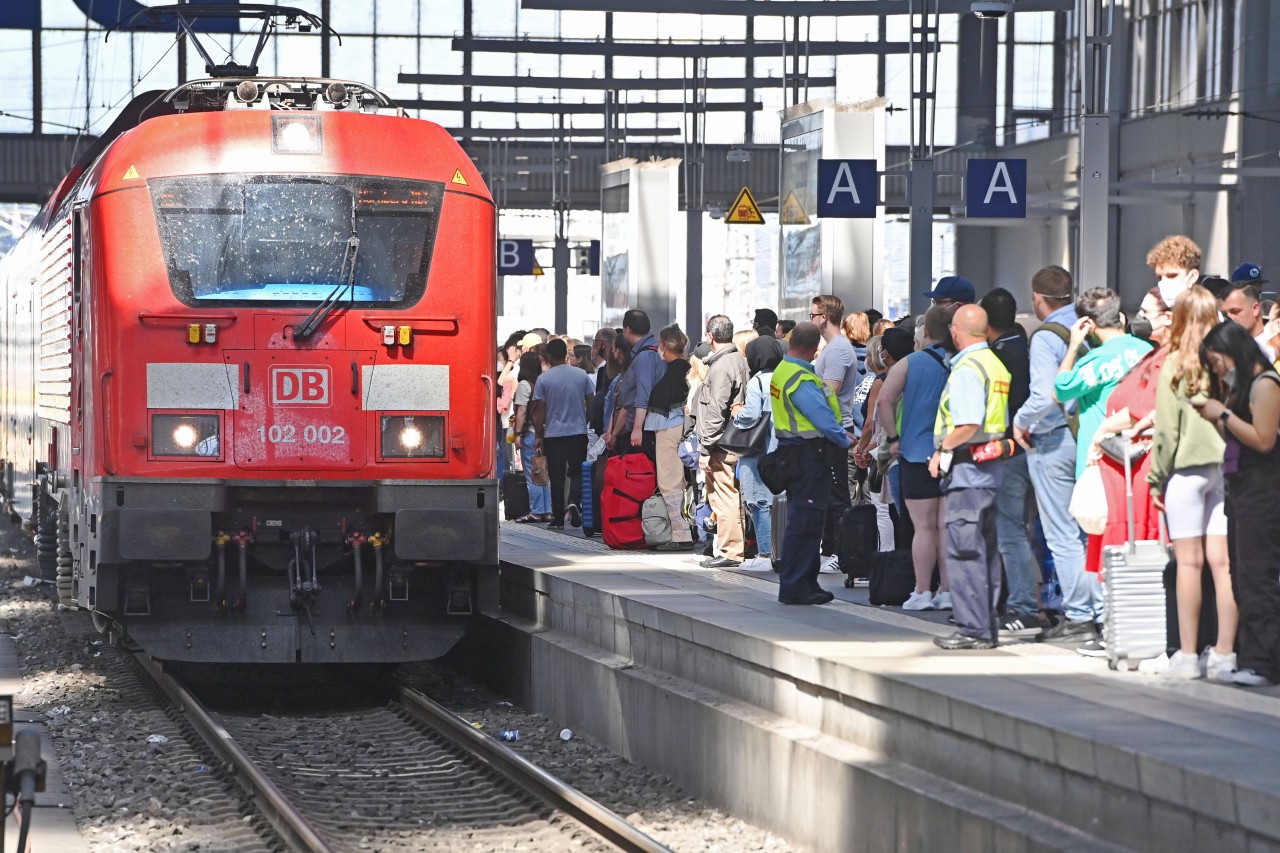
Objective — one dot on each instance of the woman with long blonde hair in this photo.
(1186, 482)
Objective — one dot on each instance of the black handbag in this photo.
(775, 469)
(752, 441)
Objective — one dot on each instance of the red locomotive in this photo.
(248, 377)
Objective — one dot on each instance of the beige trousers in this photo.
(722, 494)
(671, 479)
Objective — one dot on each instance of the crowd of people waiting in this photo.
(969, 431)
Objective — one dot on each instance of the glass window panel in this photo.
(440, 19)
(768, 29)
(353, 60)
(493, 63)
(435, 56)
(635, 25)
(16, 95)
(628, 67)
(395, 17)
(63, 80)
(856, 77)
(582, 25)
(1033, 77)
(496, 93)
(856, 28)
(393, 56)
(495, 17)
(352, 18)
(537, 23)
(293, 56)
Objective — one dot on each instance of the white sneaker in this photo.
(942, 601)
(919, 601)
(830, 565)
(757, 564)
(1219, 667)
(1250, 678)
(1183, 666)
(1154, 666)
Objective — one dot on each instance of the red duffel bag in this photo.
(628, 482)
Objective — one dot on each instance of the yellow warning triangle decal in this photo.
(793, 211)
(537, 270)
(744, 211)
(458, 179)
(130, 174)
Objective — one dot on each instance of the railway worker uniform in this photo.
(806, 421)
(976, 394)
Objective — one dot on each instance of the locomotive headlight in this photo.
(185, 435)
(412, 436)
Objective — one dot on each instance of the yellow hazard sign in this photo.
(744, 210)
(537, 269)
(457, 178)
(793, 211)
(130, 174)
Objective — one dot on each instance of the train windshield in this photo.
(290, 240)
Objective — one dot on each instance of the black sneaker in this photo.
(1068, 630)
(1093, 649)
(575, 516)
(1022, 626)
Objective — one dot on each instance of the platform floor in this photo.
(1196, 748)
(53, 828)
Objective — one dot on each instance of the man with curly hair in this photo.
(1176, 263)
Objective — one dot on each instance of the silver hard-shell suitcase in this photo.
(1133, 592)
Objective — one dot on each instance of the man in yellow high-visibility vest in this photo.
(806, 420)
(973, 411)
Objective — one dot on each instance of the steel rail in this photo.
(282, 814)
(601, 820)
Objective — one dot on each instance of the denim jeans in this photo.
(1052, 465)
(1015, 547)
(759, 501)
(539, 496)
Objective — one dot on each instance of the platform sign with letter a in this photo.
(744, 210)
(848, 189)
(515, 257)
(996, 189)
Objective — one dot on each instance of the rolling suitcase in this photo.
(515, 495)
(1133, 593)
(778, 526)
(859, 536)
(588, 499)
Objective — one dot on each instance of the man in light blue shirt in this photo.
(1041, 427)
(561, 398)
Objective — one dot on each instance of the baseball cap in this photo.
(898, 342)
(954, 287)
(702, 350)
(1248, 274)
(529, 340)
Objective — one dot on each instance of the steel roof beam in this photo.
(649, 84)
(665, 49)
(514, 133)
(554, 108)
(779, 8)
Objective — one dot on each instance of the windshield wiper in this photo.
(330, 303)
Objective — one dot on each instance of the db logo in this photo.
(300, 386)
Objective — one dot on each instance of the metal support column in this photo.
(920, 192)
(693, 275)
(920, 188)
(1093, 252)
(560, 260)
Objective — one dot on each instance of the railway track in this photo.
(408, 775)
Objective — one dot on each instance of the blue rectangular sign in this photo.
(515, 257)
(996, 189)
(848, 189)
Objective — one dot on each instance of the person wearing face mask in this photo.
(1244, 404)
(1176, 262)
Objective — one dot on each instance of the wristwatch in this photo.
(1224, 417)
(890, 439)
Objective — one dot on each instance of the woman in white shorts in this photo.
(1186, 482)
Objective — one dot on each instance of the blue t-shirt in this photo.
(564, 390)
(926, 377)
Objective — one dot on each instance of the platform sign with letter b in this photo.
(515, 257)
(996, 189)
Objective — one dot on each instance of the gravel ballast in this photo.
(141, 780)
